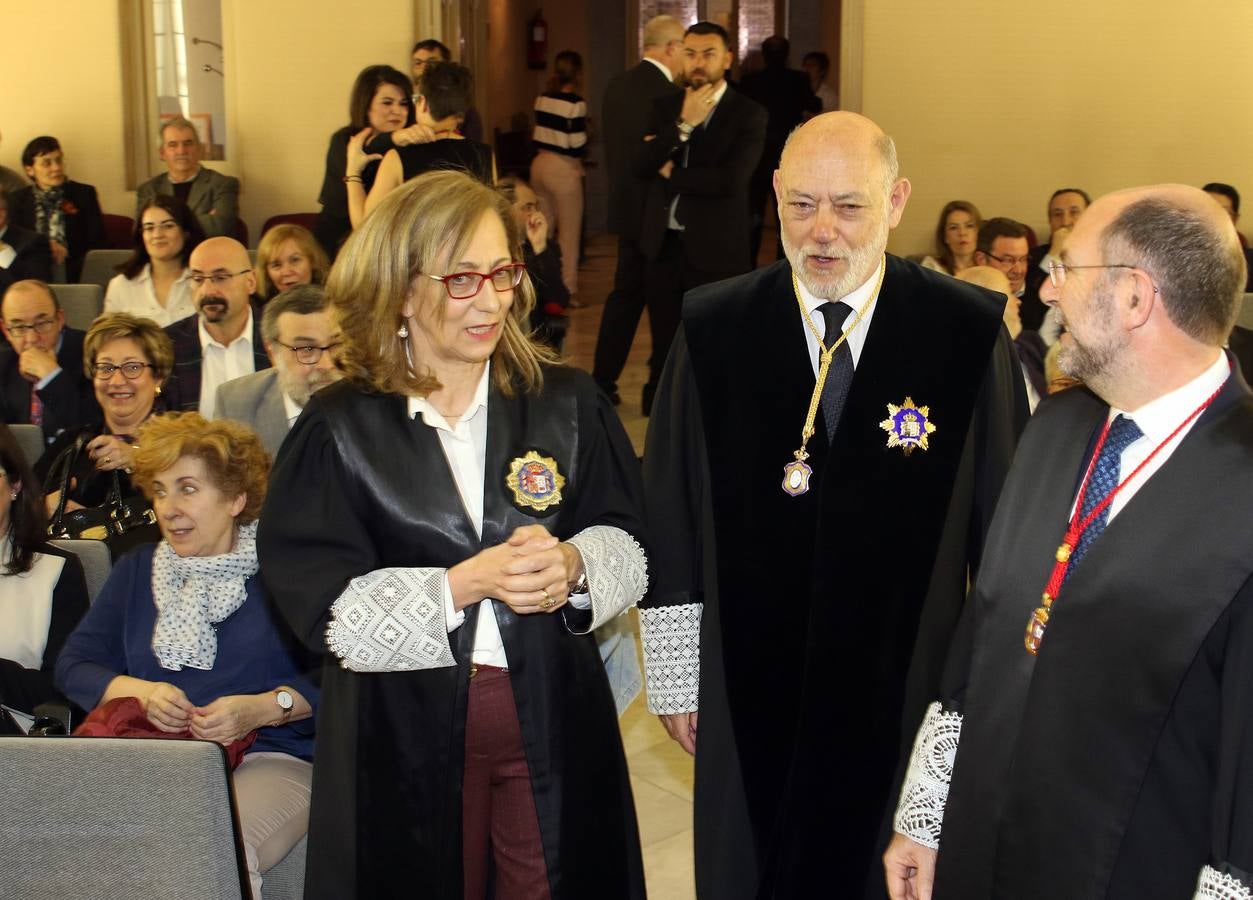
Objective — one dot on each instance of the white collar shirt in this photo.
(857, 335)
(1157, 419)
(291, 410)
(221, 363)
(465, 446)
(138, 297)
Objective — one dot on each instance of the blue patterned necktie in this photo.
(1122, 433)
(840, 375)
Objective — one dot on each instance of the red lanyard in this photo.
(1076, 527)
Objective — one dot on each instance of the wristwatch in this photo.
(285, 703)
(580, 586)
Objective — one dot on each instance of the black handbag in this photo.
(120, 523)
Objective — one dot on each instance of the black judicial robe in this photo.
(826, 616)
(359, 486)
(1119, 761)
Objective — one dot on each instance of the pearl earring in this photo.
(13, 496)
(403, 331)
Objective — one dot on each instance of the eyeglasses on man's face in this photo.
(39, 326)
(1008, 260)
(217, 279)
(130, 370)
(309, 354)
(1057, 271)
(466, 285)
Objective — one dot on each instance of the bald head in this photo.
(839, 195)
(661, 30)
(1185, 242)
(986, 277)
(225, 283)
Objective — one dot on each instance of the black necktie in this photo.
(840, 375)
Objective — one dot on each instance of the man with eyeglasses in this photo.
(1093, 733)
(432, 52)
(221, 341)
(301, 339)
(1002, 244)
(629, 98)
(41, 370)
(23, 253)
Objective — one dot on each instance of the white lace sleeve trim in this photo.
(391, 620)
(617, 571)
(1216, 885)
(920, 812)
(671, 639)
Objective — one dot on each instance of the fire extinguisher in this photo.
(537, 41)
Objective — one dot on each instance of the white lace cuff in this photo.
(1216, 885)
(391, 620)
(617, 571)
(671, 639)
(920, 812)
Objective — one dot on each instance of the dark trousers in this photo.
(621, 318)
(666, 279)
(499, 823)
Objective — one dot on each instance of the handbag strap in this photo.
(64, 463)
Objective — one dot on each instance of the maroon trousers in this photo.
(497, 808)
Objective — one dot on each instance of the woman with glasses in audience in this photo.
(42, 590)
(955, 238)
(66, 212)
(128, 359)
(289, 255)
(184, 628)
(380, 105)
(549, 321)
(153, 283)
(456, 575)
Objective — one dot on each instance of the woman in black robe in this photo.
(451, 522)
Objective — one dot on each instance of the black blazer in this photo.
(33, 260)
(713, 186)
(68, 400)
(628, 103)
(84, 222)
(182, 391)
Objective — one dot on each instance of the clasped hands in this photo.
(531, 572)
(225, 720)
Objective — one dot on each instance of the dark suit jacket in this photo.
(68, 400)
(33, 260)
(786, 95)
(210, 191)
(1241, 345)
(84, 227)
(629, 100)
(182, 391)
(713, 185)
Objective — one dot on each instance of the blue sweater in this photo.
(254, 654)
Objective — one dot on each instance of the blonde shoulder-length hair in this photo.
(417, 229)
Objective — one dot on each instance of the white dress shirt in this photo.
(857, 336)
(291, 410)
(1157, 419)
(26, 608)
(220, 363)
(138, 297)
(465, 446)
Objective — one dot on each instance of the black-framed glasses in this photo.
(130, 370)
(466, 285)
(1057, 271)
(40, 326)
(217, 279)
(1008, 260)
(309, 354)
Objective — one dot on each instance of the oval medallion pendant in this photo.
(796, 476)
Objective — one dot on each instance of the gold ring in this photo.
(547, 602)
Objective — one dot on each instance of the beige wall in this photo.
(290, 66)
(989, 103)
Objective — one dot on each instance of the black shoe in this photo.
(646, 400)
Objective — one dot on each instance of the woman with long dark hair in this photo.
(42, 591)
(153, 283)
